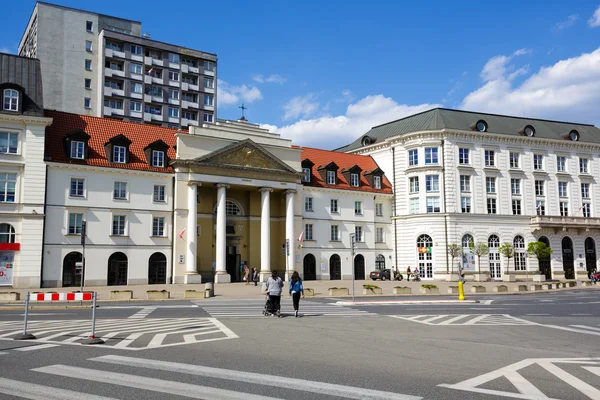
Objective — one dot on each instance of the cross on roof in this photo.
(243, 109)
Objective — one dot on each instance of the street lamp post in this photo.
(353, 247)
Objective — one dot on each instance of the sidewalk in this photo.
(224, 291)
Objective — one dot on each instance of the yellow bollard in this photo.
(461, 291)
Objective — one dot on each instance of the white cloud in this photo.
(595, 20)
(300, 106)
(568, 23)
(273, 78)
(5, 50)
(330, 132)
(522, 52)
(231, 94)
(521, 71)
(568, 90)
(494, 68)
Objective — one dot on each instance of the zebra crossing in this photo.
(466, 319)
(209, 382)
(254, 308)
(124, 334)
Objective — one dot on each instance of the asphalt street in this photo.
(534, 346)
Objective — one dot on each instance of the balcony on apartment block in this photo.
(110, 72)
(187, 122)
(173, 65)
(189, 104)
(137, 58)
(110, 53)
(157, 62)
(110, 92)
(113, 111)
(563, 223)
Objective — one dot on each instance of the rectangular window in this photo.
(209, 65)
(587, 210)
(208, 100)
(308, 204)
(564, 208)
(465, 183)
(515, 186)
(191, 97)
(358, 207)
(8, 183)
(89, 26)
(119, 154)
(516, 207)
(159, 193)
(585, 190)
(75, 223)
(561, 164)
(120, 191)
(463, 156)
(333, 205)
(490, 184)
(88, 45)
(354, 180)
(173, 76)
(208, 118)
(520, 261)
(379, 209)
(431, 155)
(87, 102)
(209, 83)
(117, 104)
(413, 157)
(465, 204)
(562, 189)
(136, 87)
(188, 115)
(306, 175)
(77, 150)
(358, 234)
(174, 94)
(135, 106)
(118, 225)
(432, 183)
(433, 204)
(136, 50)
(379, 235)
(540, 207)
(135, 68)
(308, 232)
(413, 184)
(331, 177)
(514, 160)
(539, 188)
(377, 182)
(88, 83)
(158, 158)
(158, 226)
(413, 205)
(76, 187)
(174, 58)
(490, 158)
(491, 206)
(583, 165)
(9, 143)
(334, 233)
(173, 112)
(538, 162)
(88, 65)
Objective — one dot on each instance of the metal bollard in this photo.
(461, 291)
(25, 335)
(93, 339)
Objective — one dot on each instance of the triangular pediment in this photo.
(245, 154)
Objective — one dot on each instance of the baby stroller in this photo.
(269, 308)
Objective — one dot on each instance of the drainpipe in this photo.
(173, 255)
(394, 206)
(44, 229)
(445, 209)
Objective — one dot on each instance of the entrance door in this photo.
(495, 269)
(232, 263)
(117, 270)
(310, 268)
(69, 276)
(590, 255)
(335, 268)
(568, 258)
(157, 269)
(544, 263)
(359, 268)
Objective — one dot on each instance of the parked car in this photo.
(382, 274)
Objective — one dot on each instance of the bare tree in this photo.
(508, 251)
(479, 249)
(454, 251)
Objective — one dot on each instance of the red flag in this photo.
(181, 234)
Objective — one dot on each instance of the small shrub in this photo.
(333, 288)
(400, 287)
(429, 286)
(156, 291)
(370, 286)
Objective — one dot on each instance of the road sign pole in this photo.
(352, 242)
(25, 335)
(83, 234)
(93, 339)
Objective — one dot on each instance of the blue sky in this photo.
(324, 72)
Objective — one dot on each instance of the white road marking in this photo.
(586, 327)
(486, 302)
(537, 314)
(564, 328)
(143, 313)
(32, 391)
(3, 353)
(322, 388)
(431, 319)
(581, 315)
(475, 320)
(135, 307)
(38, 347)
(454, 319)
(467, 319)
(577, 383)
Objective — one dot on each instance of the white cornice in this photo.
(26, 119)
(344, 191)
(108, 170)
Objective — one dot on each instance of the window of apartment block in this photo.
(413, 157)
(88, 65)
(491, 206)
(135, 68)
(516, 207)
(173, 76)
(159, 193)
(308, 232)
(77, 150)
(119, 154)
(174, 58)
(379, 209)
(305, 174)
(413, 205)
(465, 183)
(308, 204)
(465, 204)
(379, 238)
(432, 183)
(89, 26)
(208, 117)
(562, 189)
(209, 65)
(540, 207)
(358, 207)
(376, 182)
(463, 156)
(335, 234)
(515, 186)
(561, 164)
(10, 100)
(116, 104)
(174, 94)
(120, 191)
(433, 204)
(9, 143)
(158, 226)
(583, 165)
(8, 184)
(136, 50)
(158, 158)
(564, 208)
(490, 184)
(331, 177)
(333, 205)
(358, 233)
(490, 158)
(88, 45)
(118, 225)
(188, 115)
(587, 210)
(173, 112)
(76, 189)
(538, 162)
(136, 87)
(87, 102)
(413, 183)
(114, 84)
(514, 160)
(208, 100)
(585, 190)
(431, 155)
(88, 83)
(539, 188)
(209, 83)
(75, 223)
(191, 97)
(135, 106)
(354, 180)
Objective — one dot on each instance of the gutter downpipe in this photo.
(44, 229)
(173, 237)
(445, 209)
(394, 206)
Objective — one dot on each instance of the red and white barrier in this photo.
(86, 296)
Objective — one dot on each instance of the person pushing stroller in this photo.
(274, 287)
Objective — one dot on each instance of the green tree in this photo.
(454, 251)
(538, 250)
(479, 249)
(508, 251)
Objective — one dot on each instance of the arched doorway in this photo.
(494, 257)
(117, 270)
(335, 268)
(359, 268)
(69, 277)
(310, 268)
(567, 256)
(380, 262)
(424, 256)
(157, 269)
(468, 258)
(544, 262)
(590, 255)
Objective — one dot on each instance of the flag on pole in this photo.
(301, 236)
(181, 234)
(150, 71)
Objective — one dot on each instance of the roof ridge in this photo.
(512, 116)
(408, 116)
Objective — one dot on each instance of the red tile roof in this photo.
(342, 160)
(100, 131)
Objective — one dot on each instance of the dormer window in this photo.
(156, 154)
(331, 177)
(377, 182)
(76, 145)
(117, 149)
(306, 174)
(354, 180)
(158, 158)
(11, 100)
(119, 154)
(78, 150)
(374, 178)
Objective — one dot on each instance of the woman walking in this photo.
(296, 289)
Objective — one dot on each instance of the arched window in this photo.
(231, 208)
(117, 269)
(520, 256)
(380, 262)
(467, 240)
(494, 257)
(468, 258)
(493, 242)
(11, 100)
(424, 256)
(7, 233)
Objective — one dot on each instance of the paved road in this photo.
(226, 350)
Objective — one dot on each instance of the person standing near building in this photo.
(255, 276)
(274, 285)
(296, 290)
(247, 275)
(408, 273)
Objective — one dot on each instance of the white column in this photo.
(221, 275)
(191, 274)
(289, 232)
(265, 232)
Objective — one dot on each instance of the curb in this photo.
(400, 302)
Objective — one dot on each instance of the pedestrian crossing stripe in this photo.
(466, 319)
